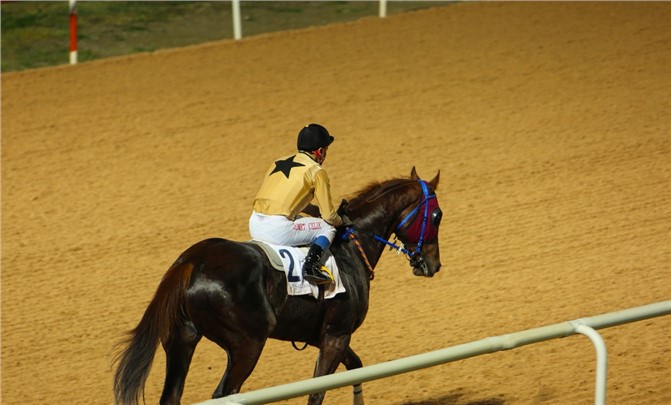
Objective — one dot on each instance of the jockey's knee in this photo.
(325, 237)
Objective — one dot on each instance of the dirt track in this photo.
(549, 123)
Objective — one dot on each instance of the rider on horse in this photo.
(289, 186)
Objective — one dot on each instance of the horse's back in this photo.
(224, 262)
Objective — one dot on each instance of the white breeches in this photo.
(280, 230)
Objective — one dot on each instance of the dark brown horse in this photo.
(228, 292)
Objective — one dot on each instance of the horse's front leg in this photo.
(352, 361)
(331, 353)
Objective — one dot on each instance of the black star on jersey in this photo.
(285, 166)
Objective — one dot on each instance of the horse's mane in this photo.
(374, 191)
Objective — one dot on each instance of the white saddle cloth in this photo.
(290, 259)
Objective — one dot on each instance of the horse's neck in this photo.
(381, 222)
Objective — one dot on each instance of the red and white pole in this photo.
(73, 31)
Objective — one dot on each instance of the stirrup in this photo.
(325, 269)
(322, 277)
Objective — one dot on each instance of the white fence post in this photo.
(383, 8)
(237, 23)
(601, 361)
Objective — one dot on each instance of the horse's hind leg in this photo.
(179, 350)
(352, 361)
(242, 358)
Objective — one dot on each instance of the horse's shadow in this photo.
(457, 398)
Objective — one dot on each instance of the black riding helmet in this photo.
(313, 137)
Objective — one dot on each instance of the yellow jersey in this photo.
(291, 183)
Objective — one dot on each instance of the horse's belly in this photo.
(299, 320)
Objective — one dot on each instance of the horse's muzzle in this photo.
(420, 267)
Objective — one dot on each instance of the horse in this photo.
(228, 292)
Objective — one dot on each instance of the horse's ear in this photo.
(434, 181)
(413, 174)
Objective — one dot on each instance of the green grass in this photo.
(36, 34)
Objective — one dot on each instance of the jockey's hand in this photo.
(342, 209)
(341, 230)
(346, 222)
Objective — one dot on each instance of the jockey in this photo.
(289, 186)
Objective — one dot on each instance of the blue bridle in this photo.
(350, 232)
(425, 216)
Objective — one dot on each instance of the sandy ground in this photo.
(549, 123)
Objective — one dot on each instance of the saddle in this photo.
(289, 259)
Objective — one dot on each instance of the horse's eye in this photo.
(436, 216)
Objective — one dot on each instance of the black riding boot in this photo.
(312, 267)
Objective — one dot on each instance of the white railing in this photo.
(585, 326)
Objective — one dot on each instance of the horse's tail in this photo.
(164, 313)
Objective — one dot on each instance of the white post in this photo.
(237, 24)
(601, 361)
(383, 8)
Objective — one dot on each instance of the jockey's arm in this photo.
(323, 197)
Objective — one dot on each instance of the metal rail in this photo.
(585, 326)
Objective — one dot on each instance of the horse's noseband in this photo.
(416, 259)
(417, 229)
